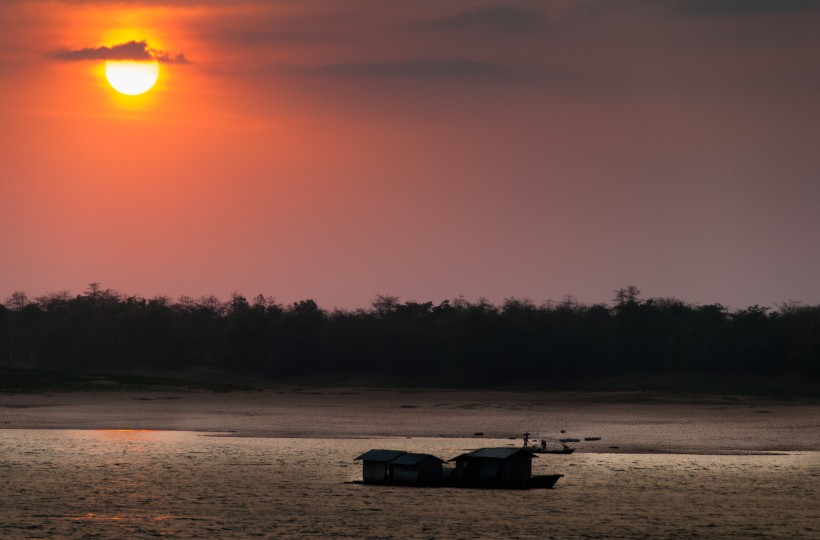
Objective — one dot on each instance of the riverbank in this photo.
(625, 421)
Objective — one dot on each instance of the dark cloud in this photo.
(744, 7)
(132, 50)
(420, 69)
(508, 20)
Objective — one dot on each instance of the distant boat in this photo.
(564, 450)
(569, 440)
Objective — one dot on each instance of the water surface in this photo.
(114, 484)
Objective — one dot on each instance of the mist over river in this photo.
(133, 484)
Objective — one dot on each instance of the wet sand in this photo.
(625, 422)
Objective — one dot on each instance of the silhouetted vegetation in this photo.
(15, 380)
(455, 342)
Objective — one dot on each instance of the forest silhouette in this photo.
(456, 342)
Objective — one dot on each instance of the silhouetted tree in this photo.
(455, 341)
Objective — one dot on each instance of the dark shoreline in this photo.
(638, 388)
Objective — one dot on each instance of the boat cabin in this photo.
(397, 467)
(374, 465)
(495, 467)
(410, 468)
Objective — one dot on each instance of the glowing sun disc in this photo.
(130, 77)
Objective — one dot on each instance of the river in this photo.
(135, 484)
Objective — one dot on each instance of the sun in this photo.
(130, 77)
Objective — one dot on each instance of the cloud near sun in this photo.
(132, 50)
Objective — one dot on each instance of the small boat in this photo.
(569, 440)
(564, 450)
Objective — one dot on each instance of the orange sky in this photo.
(425, 149)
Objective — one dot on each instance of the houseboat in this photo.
(499, 468)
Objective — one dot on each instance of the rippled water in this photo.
(114, 484)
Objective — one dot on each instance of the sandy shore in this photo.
(715, 425)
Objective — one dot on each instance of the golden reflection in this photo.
(126, 430)
(127, 435)
(91, 516)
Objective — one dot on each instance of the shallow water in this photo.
(126, 484)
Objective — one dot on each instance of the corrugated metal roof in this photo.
(494, 453)
(382, 456)
(409, 459)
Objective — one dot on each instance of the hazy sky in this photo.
(336, 150)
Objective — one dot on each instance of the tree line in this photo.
(452, 342)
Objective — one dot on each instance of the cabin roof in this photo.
(381, 456)
(495, 453)
(410, 459)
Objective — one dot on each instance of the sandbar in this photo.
(624, 422)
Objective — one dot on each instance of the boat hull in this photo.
(561, 451)
(544, 481)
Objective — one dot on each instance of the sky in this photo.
(341, 149)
